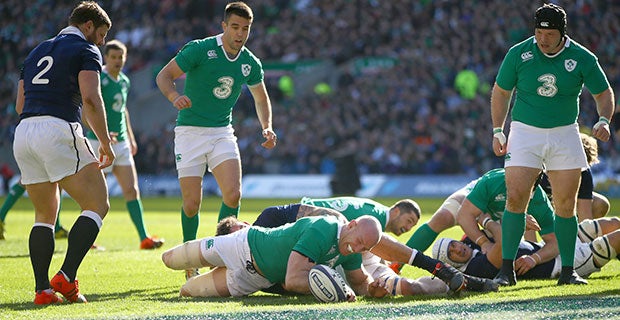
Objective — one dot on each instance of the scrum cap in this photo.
(440, 252)
(551, 16)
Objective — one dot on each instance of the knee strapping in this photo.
(602, 251)
(200, 286)
(588, 230)
(184, 256)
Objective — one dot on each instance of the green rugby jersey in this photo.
(352, 207)
(489, 195)
(548, 89)
(314, 237)
(213, 81)
(114, 94)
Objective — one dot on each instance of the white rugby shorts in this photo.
(48, 149)
(233, 252)
(557, 148)
(203, 146)
(583, 263)
(122, 153)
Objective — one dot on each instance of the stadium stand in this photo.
(392, 70)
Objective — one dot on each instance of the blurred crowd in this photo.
(412, 118)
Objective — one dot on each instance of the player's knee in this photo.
(191, 207)
(201, 286)
(588, 230)
(184, 256)
(600, 206)
(231, 197)
(130, 194)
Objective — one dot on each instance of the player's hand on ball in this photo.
(271, 138)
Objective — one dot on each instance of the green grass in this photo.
(125, 282)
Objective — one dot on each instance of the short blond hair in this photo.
(590, 146)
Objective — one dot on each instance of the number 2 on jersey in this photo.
(38, 79)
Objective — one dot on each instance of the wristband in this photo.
(601, 122)
(485, 221)
(501, 137)
(535, 263)
(177, 98)
(539, 258)
(480, 237)
(497, 130)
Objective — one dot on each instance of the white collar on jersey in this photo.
(566, 44)
(220, 43)
(72, 30)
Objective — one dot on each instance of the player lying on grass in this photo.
(486, 195)
(597, 244)
(398, 219)
(256, 258)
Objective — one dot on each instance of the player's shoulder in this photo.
(577, 50)
(123, 77)
(520, 48)
(493, 174)
(204, 44)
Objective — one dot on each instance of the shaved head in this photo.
(370, 227)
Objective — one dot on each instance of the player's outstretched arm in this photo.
(297, 270)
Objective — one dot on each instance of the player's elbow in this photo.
(296, 283)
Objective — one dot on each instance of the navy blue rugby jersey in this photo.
(480, 266)
(50, 74)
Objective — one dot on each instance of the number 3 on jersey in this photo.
(225, 88)
(38, 79)
(548, 88)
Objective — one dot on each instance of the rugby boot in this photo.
(69, 290)
(570, 278)
(44, 297)
(480, 284)
(505, 278)
(151, 243)
(451, 276)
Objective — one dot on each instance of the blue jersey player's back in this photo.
(50, 75)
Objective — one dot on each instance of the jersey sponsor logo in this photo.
(225, 88)
(548, 88)
(212, 54)
(507, 157)
(246, 69)
(249, 267)
(178, 157)
(209, 244)
(570, 64)
(526, 56)
(500, 197)
(105, 82)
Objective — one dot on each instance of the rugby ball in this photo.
(327, 285)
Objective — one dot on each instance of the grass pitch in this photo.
(124, 282)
